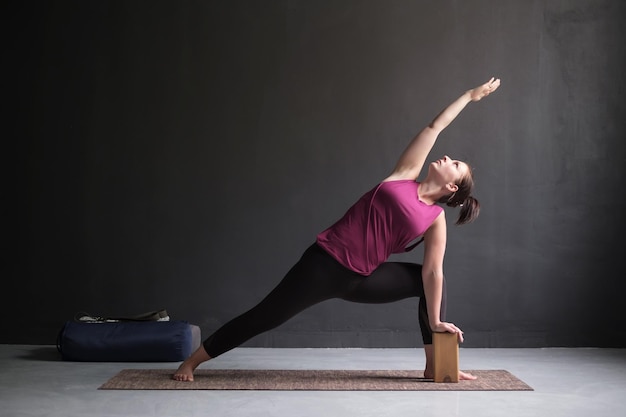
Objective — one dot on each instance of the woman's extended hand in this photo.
(443, 327)
(485, 89)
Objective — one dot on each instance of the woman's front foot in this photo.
(463, 376)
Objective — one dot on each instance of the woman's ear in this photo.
(452, 187)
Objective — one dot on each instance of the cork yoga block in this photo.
(446, 357)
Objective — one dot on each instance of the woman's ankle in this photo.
(198, 357)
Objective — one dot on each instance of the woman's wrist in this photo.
(434, 325)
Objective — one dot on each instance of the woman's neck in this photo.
(428, 192)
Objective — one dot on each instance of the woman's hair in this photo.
(470, 207)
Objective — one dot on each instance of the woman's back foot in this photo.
(184, 373)
(185, 370)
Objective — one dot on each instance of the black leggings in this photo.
(317, 277)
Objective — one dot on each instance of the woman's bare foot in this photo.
(185, 370)
(463, 376)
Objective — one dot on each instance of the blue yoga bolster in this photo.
(151, 341)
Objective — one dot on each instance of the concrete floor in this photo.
(567, 382)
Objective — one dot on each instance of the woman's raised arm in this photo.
(412, 159)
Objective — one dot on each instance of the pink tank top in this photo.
(383, 221)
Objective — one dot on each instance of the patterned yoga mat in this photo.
(310, 380)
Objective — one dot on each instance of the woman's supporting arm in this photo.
(432, 275)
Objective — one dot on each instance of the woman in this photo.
(349, 259)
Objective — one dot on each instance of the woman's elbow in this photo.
(432, 274)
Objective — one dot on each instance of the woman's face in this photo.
(447, 170)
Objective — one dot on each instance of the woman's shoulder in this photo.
(399, 178)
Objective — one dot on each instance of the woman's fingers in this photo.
(490, 86)
(454, 329)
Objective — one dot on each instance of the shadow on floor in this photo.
(44, 353)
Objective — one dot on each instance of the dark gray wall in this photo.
(182, 155)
